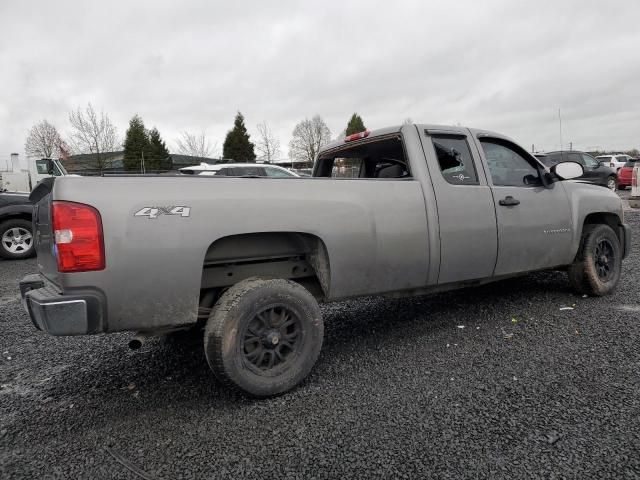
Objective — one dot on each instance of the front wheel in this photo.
(612, 183)
(264, 336)
(596, 268)
(16, 239)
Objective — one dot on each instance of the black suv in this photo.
(16, 230)
(594, 171)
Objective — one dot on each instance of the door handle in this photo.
(509, 201)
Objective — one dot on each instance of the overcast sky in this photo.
(190, 65)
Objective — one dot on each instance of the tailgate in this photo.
(43, 230)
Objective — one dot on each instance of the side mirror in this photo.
(567, 170)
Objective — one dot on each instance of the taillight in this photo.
(357, 136)
(77, 229)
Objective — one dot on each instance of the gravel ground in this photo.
(401, 390)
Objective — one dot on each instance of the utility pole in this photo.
(142, 163)
(560, 120)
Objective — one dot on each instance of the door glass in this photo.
(589, 161)
(455, 160)
(507, 166)
(277, 173)
(42, 167)
(254, 171)
(575, 157)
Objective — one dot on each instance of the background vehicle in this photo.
(625, 175)
(594, 171)
(428, 209)
(16, 229)
(239, 170)
(616, 161)
(19, 180)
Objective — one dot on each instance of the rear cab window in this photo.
(373, 158)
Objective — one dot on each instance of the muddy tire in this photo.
(597, 266)
(264, 336)
(16, 239)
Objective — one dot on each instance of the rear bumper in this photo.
(60, 314)
(625, 231)
(624, 182)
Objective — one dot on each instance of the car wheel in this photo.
(16, 239)
(264, 336)
(596, 268)
(612, 183)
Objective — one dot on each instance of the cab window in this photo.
(382, 158)
(508, 165)
(455, 160)
(42, 167)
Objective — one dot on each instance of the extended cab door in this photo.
(466, 214)
(534, 222)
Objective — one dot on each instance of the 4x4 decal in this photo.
(155, 212)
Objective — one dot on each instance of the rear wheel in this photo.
(16, 239)
(264, 336)
(612, 183)
(596, 269)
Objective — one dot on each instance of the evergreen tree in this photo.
(237, 145)
(136, 145)
(159, 157)
(355, 125)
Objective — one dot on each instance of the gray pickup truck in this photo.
(408, 210)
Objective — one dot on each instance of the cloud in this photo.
(500, 65)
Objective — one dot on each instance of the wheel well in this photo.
(13, 216)
(301, 257)
(610, 219)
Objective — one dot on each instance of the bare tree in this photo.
(196, 145)
(93, 133)
(43, 141)
(308, 137)
(268, 144)
(407, 121)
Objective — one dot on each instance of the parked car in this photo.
(16, 229)
(594, 171)
(625, 175)
(239, 170)
(429, 208)
(616, 161)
